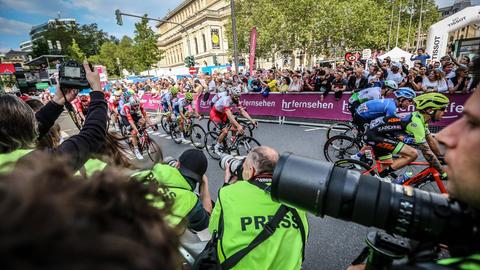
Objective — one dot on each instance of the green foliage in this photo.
(75, 52)
(314, 26)
(146, 50)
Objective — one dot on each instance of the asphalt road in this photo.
(332, 244)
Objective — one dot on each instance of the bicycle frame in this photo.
(416, 178)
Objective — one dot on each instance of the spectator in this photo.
(284, 85)
(423, 72)
(421, 56)
(270, 84)
(339, 84)
(297, 84)
(394, 74)
(103, 223)
(435, 82)
(372, 72)
(19, 132)
(412, 80)
(242, 210)
(377, 80)
(448, 70)
(460, 81)
(308, 81)
(323, 83)
(357, 81)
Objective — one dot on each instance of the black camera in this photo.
(323, 189)
(235, 164)
(72, 75)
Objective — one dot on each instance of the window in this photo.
(196, 46)
(204, 43)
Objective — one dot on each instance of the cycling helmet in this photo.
(235, 91)
(434, 101)
(134, 101)
(117, 93)
(174, 90)
(405, 92)
(390, 84)
(83, 98)
(188, 96)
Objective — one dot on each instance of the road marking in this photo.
(163, 135)
(313, 129)
(156, 133)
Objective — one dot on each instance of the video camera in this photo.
(235, 164)
(323, 189)
(72, 75)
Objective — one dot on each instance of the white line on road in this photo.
(163, 135)
(313, 129)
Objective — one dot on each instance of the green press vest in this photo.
(246, 208)
(91, 166)
(466, 263)
(176, 188)
(8, 160)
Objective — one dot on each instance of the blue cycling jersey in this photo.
(377, 108)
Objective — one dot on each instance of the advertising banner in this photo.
(253, 46)
(308, 105)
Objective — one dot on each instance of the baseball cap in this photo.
(193, 163)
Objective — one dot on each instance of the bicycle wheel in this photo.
(340, 128)
(355, 165)
(153, 151)
(210, 141)
(197, 136)
(245, 144)
(340, 147)
(176, 134)
(429, 184)
(212, 126)
(164, 123)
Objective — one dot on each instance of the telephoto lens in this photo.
(322, 189)
(235, 164)
(170, 161)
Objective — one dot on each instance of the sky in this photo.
(18, 16)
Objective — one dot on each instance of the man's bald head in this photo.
(263, 159)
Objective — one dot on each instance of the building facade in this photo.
(470, 31)
(37, 31)
(204, 21)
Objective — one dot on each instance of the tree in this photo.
(145, 48)
(75, 52)
(111, 51)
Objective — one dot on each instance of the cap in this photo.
(193, 163)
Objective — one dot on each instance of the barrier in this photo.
(308, 105)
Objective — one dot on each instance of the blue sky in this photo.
(18, 16)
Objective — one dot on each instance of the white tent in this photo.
(396, 55)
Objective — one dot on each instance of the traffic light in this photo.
(118, 14)
(190, 61)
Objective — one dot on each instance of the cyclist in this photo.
(168, 98)
(180, 110)
(113, 104)
(134, 116)
(392, 134)
(371, 93)
(221, 113)
(373, 109)
(81, 106)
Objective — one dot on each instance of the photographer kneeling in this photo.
(21, 127)
(253, 231)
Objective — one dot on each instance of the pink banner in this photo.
(253, 46)
(150, 102)
(308, 105)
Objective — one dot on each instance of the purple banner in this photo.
(308, 105)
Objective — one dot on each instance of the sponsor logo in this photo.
(457, 21)
(436, 45)
(393, 120)
(387, 146)
(389, 128)
(291, 106)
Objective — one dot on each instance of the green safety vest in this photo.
(175, 188)
(91, 166)
(465, 263)
(8, 160)
(246, 208)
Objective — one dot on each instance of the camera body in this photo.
(235, 164)
(72, 75)
(170, 161)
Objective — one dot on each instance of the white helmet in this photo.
(235, 91)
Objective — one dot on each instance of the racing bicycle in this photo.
(146, 145)
(192, 131)
(240, 144)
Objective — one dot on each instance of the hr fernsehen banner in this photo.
(308, 105)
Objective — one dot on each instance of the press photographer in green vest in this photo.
(179, 183)
(253, 231)
(21, 127)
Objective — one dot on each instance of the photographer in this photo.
(180, 182)
(19, 131)
(244, 212)
(463, 171)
